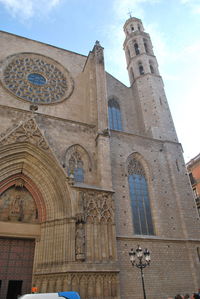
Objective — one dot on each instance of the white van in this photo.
(68, 295)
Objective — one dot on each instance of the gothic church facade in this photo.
(90, 168)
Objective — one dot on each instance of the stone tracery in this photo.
(135, 167)
(55, 87)
(98, 207)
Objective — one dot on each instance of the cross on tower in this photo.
(130, 14)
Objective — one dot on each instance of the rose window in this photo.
(37, 79)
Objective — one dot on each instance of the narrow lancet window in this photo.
(114, 115)
(141, 69)
(76, 167)
(152, 69)
(141, 210)
(137, 50)
(146, 46)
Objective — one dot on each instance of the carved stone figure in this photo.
(17, 204)
(80, 241)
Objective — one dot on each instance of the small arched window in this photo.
(137, 50)
(138, 27)
(152, 69)
(114, 115)
(78, 164)
(141, 69)
(141, 210)
(75, 167)
(146, 46)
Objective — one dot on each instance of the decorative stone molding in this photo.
(135, 167)
(27, 131)
(18, 205)
(15, 185)
(98, 207)
(99, 52)
(89, 285)
(36, 78)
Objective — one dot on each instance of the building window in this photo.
(195, 192)
(192, 179)
(36, 79)
(141, 69)
(76, 167)
(146, 46)
(140, 205)
(152, 69)
(114, 115)
(137, 50)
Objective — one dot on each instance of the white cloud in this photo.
(193, 5)
(28, 8)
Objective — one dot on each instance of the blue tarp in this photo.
(69, 295)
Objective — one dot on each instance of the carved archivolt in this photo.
(27, 131)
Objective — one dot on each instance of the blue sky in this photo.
(174, 26)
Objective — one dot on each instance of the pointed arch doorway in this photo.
(20, 215)
(47, 225)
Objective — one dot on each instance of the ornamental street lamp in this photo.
(143, 260)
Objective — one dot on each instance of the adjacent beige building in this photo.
(90, 168)
(193, 167)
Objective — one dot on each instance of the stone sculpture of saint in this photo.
(80, 242)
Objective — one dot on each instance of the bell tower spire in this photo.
(146, 83)
(139, 50)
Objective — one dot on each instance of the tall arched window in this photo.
(141, 211)
(141, 69)
(75, 167)
(146, 46)
(114, 115)
(77, 163)
(137, 50)
(152, 68)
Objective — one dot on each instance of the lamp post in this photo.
(143, 260)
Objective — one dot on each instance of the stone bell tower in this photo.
(146, 82)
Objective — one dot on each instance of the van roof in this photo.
(68, 295)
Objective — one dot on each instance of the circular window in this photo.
(36, 79)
